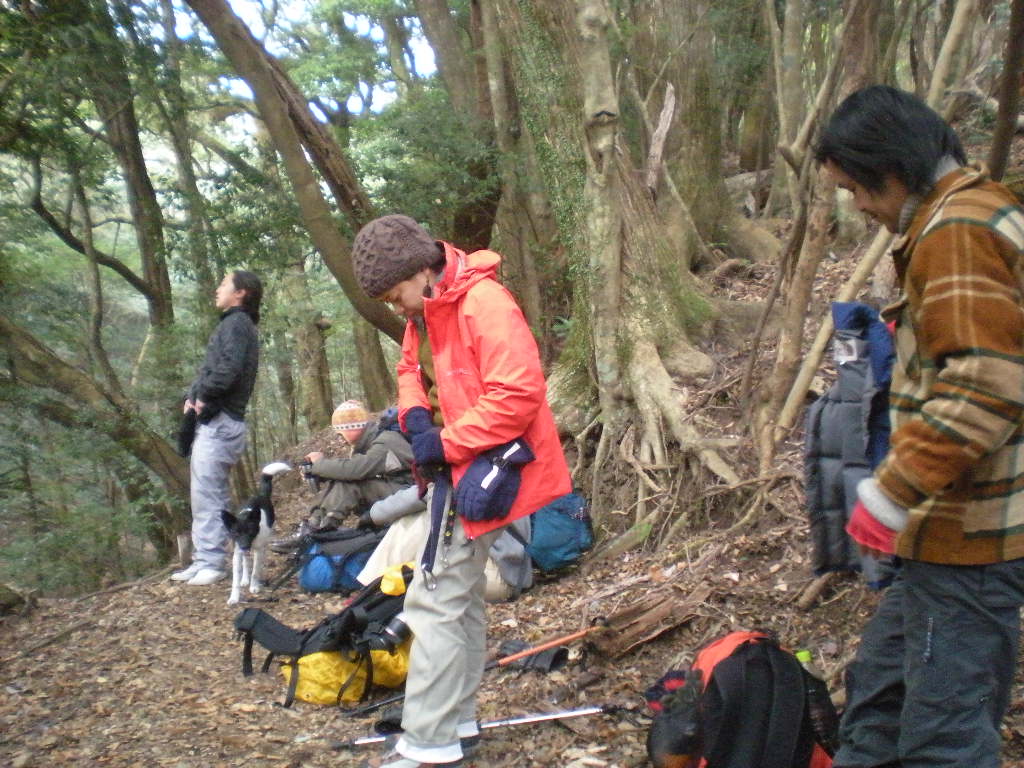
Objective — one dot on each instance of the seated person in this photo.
(508, 571)
(379, 465)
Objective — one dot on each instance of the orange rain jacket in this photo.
(489, 380)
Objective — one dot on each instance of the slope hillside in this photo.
(149, 673)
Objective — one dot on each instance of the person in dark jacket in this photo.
(380, 465)
(219, 396)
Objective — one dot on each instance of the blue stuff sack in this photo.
(333, 565)
(561, 532)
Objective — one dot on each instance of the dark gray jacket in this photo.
(228, 373)
(841, 426)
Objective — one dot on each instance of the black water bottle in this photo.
(824, 719)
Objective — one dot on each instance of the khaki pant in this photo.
(348, 497)
(446, 663)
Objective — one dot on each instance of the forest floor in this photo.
(149, 674)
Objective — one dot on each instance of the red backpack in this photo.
(743, 703)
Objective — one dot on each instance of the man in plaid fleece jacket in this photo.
(934, 670)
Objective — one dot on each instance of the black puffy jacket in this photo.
(228, 373)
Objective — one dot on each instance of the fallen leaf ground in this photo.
(150, 675)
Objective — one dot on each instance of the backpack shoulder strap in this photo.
(787, 709)
(255, 625)
(727, 727)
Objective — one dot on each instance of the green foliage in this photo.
(66, 526)
(420, 159)
(79, 552)
(333, 61)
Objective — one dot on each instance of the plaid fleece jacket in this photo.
(957, 398)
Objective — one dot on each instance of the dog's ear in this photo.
(229, 520)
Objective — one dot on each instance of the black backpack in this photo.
(753, 711)
(364, 625)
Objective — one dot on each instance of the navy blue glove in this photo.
(491, 483)
(427, 449)
(418, 420)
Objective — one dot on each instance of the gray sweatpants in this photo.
(446, 662)
(217, 447)
(932, 677)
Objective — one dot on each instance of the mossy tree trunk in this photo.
(634, 301)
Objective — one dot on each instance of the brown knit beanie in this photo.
(389, 250)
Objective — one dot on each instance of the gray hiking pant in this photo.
(217, 447)
(932, 677)
(446, 662)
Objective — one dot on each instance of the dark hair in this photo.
(879, 130)
(250, 283)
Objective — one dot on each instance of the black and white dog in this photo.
(251, 529)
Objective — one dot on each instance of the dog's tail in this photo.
(267, 476)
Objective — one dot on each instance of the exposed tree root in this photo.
(652, 390)
(580, 441)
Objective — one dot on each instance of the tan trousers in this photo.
(446, 663)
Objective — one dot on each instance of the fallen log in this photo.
(655, 613)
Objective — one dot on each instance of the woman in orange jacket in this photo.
(472, 394)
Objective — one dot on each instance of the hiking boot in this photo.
(187, 573)
(469, 744)
(206, 576)
(393, 759)
(285, 545)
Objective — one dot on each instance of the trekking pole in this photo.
(545, 646)
(524, 720)
(293, 566)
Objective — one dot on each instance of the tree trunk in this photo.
(307, 326)
(176, 120)
(603, 235)
(253, 64)
(630, 316)
(33, 364)
(450, 54)
(798, 296)
(96, 309)
(958, 30)
(787, 414)
(1010, 85)
(379, 387)
(462, 63)
(106, 75)
(790, 87)
(396, 38)
(523, 220)
(288, 409)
